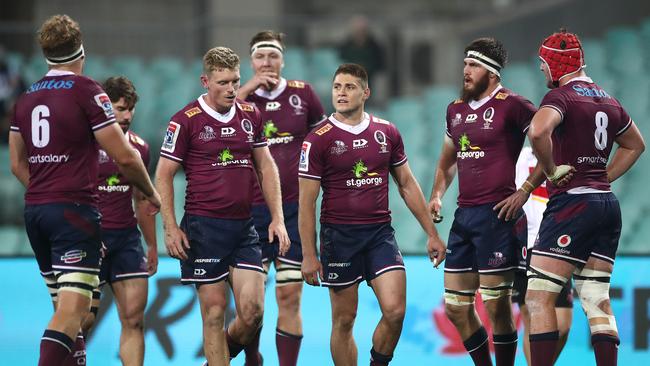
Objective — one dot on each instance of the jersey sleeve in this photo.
(397, 154)
(523, 114)
(176, 140)
(554, 99)
(316, 113)
(310, 164)
(258, 129)
(14, 124)
(96, 104)
(448, 122)
(626, 122)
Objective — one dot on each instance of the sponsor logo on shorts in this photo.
(200, 272)
(563, 241)
(339, 264)
(303, 164)
(497, 260)
(207, 260)
(73, 256)
(332, 276)
(467, 150)
(362, 177)
(524, 252)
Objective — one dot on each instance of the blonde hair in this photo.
(220, 58)
(59, 36)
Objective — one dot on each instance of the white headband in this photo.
(269, 45)
(79, 53)
(485, 61)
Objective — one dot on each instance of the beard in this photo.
(480, 86)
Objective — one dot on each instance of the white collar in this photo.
(223, 118)
(356, 129)
(476, 104)
(273, 93)
(586, 79)
(55, 72)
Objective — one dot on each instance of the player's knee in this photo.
(458, 305)
(288, 299)
(213, 315)
(133, 321)
(252, 315)
(543, 289)
(593, 289)
(394, 313)
(343, 322)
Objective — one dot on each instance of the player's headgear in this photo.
(74, 56)
(562, 53)
(270, 44)
(488, 52)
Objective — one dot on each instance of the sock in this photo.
(78, 355)
(252, 350)
(55, 347)
(377, 359)
(234, 348)
(288, 346)
(543, 347)
(478, 347)
(505, 348)
(605, 349)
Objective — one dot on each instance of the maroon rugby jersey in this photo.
(591, 120)
(288, 113)
(115, 191)
(353, 164)
(488, 136)
(56, 117)
(215, 151)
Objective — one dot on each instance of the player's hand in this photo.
(277, 229)
(311, 270)
(561, 175)
(153, 203)
(435, 207)
(436, 249)
(265, 80)
(176, 243)
(510, 206)
(152, 260)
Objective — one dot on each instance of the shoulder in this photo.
(189, 112)
(509, 97)
(322, 132)
(455, 105)
(377, 123)
(136, 140)
(297, 84)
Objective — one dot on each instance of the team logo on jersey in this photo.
(359, 144)
(104, 101)
(563, 241)
(497, 259)
(321, 131)
(73, 256)
(208, 134)
(338, 148)
(380, 137)
(113, 180)
(488, 117)
(303, 164)
(362, 177)
(171, 135)
(471, 118)
(273, 106)
(103, 157)
(457, 120)
(227, 132)
(247, 126)
(274, 137)
(296, 103)
(467, 150)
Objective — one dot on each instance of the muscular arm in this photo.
(165, 184)
(445, 172)
(268, 176)
(539, 134)
(308, 193)
(18, 157)
(630, 147)
(147, 225)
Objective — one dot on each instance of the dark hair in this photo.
(59, 36)
(267, 35)
(120, 87)
(355, 70)
(491, 48)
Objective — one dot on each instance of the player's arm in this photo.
(445, 172)
(18, 157)
(269, 179)
(112, 140)
(412, 195)
(147, 224)
(265, 79)
(175, 240)
(509, 207)
(308, 193)
(630, 147)
(541, 128)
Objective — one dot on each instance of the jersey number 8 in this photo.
(600, 135)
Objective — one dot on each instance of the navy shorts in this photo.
(480, 241)
(578, 226)
(271, 252)
(215, 246)
(65, 237)
(351, 253)
(124, 256)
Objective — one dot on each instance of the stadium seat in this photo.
(97, 68)
(295, 61)
(9, 238)
(5, 164)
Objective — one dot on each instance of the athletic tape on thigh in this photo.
(52, 287)
(494, 292)
(541, 280)
(82, 283)
(459, 298)
(287, 274)
(593, 288)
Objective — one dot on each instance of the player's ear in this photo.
(366, 94)
(204, 81)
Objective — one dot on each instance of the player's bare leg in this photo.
(344, 312)
(390, 289)
(525, 317)
(212, 298)
(459, 307)
(131, 299)
(545, 280)
(289, 327)
(564, 317)
(496, 294)
(248, 290)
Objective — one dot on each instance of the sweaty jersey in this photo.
(216, 152)
(536, 204)
(591, 120)
(115, 191)
(352, 163)
(488, 135)
(288, 113)
(56, 118)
